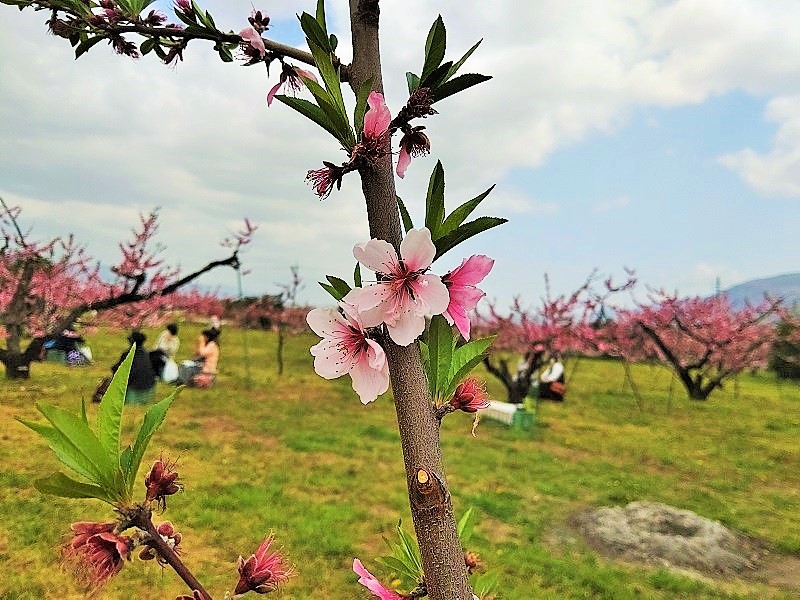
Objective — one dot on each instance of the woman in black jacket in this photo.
(142, 380)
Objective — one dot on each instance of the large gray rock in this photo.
(654, 532)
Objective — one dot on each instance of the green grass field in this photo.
(301, 456)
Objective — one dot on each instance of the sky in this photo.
(663, 136)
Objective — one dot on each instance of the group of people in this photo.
(552, 381)
(160, 363)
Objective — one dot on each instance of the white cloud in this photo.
(777, 172)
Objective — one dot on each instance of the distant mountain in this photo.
(786, 286)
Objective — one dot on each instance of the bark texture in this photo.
(431, 507)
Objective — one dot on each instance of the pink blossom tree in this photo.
(559, 324)
(703, 340)
(394, 329)
(45, 286)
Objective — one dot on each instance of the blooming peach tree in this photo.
(394, 328)
(46, 286)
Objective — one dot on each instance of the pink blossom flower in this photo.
(366, 579)
(293, 78)
(345, 348)
(264, 571)
(161, 481)
(464, 296)
(470, 396)
(252, 40)
(404, 295)
(98, 552)
(378, 117)
(414, 143)
(323, 180)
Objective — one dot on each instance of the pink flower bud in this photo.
(470, 396)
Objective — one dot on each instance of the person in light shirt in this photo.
(551, 381)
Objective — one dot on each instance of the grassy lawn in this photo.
(301, 456)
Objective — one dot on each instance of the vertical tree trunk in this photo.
(17, 365)
(431, 508)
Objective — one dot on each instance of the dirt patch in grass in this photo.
(663, 535)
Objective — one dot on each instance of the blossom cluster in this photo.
(404, 294)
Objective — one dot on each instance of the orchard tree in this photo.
(46, 286)
(703, 340)
(374, 333)
(559, 324)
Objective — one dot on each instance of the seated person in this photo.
(551, 381)
(142, 380)
(202, 371)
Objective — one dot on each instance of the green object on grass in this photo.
(523, 419)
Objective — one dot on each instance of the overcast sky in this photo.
(662, 136)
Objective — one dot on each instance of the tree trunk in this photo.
(431, 508)
(17, 365)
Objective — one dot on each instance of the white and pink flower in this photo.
(404, 294)
(464, 296)
(345, 349)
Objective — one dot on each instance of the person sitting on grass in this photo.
(202, 371)
(142, 380)
(551, 381)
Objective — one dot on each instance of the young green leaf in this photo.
(459, 84)
(411, 548)
(464, 232)
(58, 484)
(315, 35)
(322, 60)
(313, 112)
(456, 66)
(147, 46)
(109, 417)
(64, 449)
(435, 79)
(340, 285)
(357, 275)
(455, 218)
(85, 446)
(361, 105)
(434, 48)
(466, 358)
(225, 54)
(434, 203)
(332, 291)
(413, 82)
(152, 420)
(321, 16)
(439, 339)
(87, 44)
(408, 225)
(466, 525)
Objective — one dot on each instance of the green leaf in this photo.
(434, 203)
(321, 16)
(58, 484)
(322, 60)
(436, 78)
(313, 112)
(458, 216)
(439, 339)
(109, 418)
(466, 358)
(411, 549)
(225, 54)
(332, 291)
(434, 48)
(398, 566)
(459, 84)
(426, 357)
(413, 82)
(86, 45)
(84, 418)
(361, 105)
(63, 448)
(454, 69)
(464, 232)
(335, 117)
(466, 525)
(315, 35)
(87, 448)
(147, 46)
(152, 420)
(357, 275)
(190, 19)
(408, 225)
(334, 42)
(340, 285)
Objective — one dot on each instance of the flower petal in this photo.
(456, 314)
(431, 295)
(306, 74)
(407, 327)
(369, 581)
(369, 383)
(378, 117)
(471, 271)
(367, 302)
(330, 360)
(377, 255)
(402, 162)
(468, 297)
(271, 94)
(326, 322)
(417, 249)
